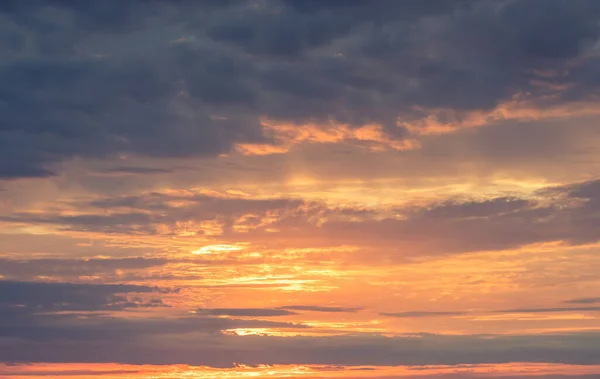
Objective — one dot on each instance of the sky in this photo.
(300, 189)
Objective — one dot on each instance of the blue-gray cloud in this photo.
(33, 297)
(181, 79)
(128, 342)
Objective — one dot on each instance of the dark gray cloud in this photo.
(550, 310)
(320, 308)
(177, 344)
(80, 312)
(418, 314)
(181, 79)
(133, 170)
(584, 300)
(244, 312)
(49, 297)
(296, 27)
(467, 209)
(94, 328)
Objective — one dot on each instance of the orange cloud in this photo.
(370, 136)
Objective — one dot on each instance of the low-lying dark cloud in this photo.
(38, 333)
(82, 312)
(176, 343)
(550, 310)
(455, 209)
(584, 300)
(93, 328)
(33, 297)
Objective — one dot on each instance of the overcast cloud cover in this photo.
(338, 188)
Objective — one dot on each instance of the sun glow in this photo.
(217, 249)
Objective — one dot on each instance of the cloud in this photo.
(319, 308)
(195, 79)
(244, 312)
(585, 300)
(550, 310)
(51, 297)
(567, 213)
(44, 370)
(157, 213)
(134, 170)
(121, 341)
(101, 328)
(37, 332)
(474, 209)
(72, 268)
(272, 312)
(82, 312)
(418, 314)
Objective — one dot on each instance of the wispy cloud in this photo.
(319, 308)
(417, 314)
(550, 310)
(584, 300)
(244, 312)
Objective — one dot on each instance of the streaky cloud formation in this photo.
(547, 310)
(586, 300)
(422, 314)
(38, 296)
(319, 308)
(247, 312)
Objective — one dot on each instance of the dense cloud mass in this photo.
(195, 78)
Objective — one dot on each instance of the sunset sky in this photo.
(300, 189)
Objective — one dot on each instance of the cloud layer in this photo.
(197, 78)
